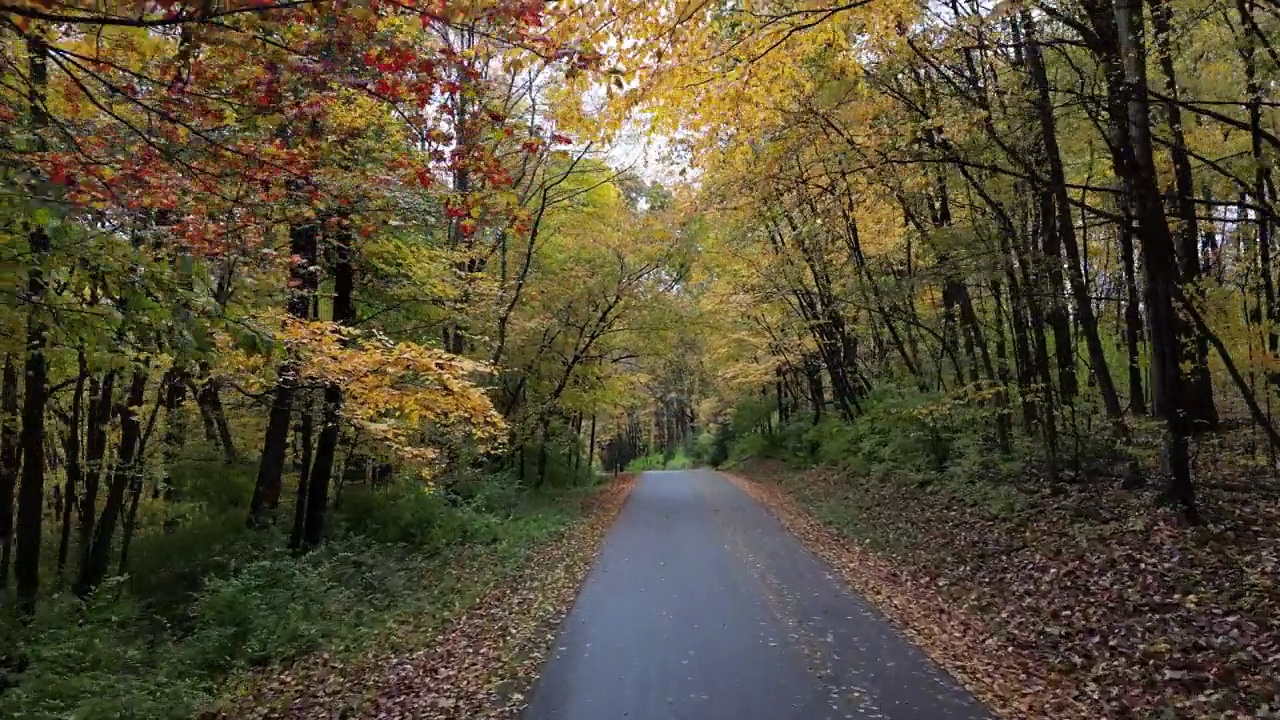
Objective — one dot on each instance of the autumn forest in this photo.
(332, 329)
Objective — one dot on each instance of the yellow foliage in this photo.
(408, 398)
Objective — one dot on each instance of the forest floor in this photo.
(1075, 601)
(475, 661)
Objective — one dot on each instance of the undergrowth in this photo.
(208, 602)
(928, 442)
(676, 459)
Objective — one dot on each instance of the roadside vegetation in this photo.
(208, 604)
(315, 320)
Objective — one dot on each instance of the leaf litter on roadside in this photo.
(1092, 603)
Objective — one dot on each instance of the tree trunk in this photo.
(1004, 422)
(1050, 272)
(302, 286)
(217, 427)
(317, 493)
(32, 438)
(8, 463)
(122, 478)
(591, 448)
(1132, 312)
(542, 453)
(1065, 230)
(331, 415)
(1159, 260)
(817, 393)
(175, 427)
(1261, 180)
(1040, 362)
(1198, 403)
(304, 474)
(74, 471)
(101, 394)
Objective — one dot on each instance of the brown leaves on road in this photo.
(478, 667)
(1093, 604)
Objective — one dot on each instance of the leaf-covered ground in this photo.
(1084, 601)
(477, 667)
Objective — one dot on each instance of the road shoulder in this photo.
(959, 643)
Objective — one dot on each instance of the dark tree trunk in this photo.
(302, 286)
(1198, 403)
(175, 432)
(949, 347)
(591, 448)
(216, 425)
(781, 393)
(577, 443)
(266, 490)
(969, 318)
(317, 493)
(542, 453)
(1040, 361)
(206, 418)
(74, 470)
(304, 473)
(1064, 229)
(1056, 316)
(331, 415)
(1261, 179)
(1132, 313)
(8, 463)
(101, 398)
(135, 490)
(32, 438)
(1004, 422)
(1018, 322)
(123, 477)
(817, 393)
(1159, 260)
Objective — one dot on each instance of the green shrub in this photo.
(210, 483)
(680, 460)
(413, 514)
(170, 568)
(272, 608)
(653, 461)
(208, 599)
(751, 445)
(940, 440)
(677, 458)
(88, 660)
(495, 493)
(751, 415)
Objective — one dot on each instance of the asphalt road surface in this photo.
(702, 606)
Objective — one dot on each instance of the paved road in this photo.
(702, 607)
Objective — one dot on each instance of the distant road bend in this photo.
(702, 606)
